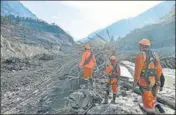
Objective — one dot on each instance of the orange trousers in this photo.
(113, 83)
(87, 73)
(148, 99)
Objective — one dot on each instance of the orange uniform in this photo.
(87, 68)
(113, 81)
(148, 99)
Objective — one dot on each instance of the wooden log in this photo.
(124, 79)
(160, 99)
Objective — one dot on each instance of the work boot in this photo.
(86, 84)
(91, 83)
(160, 108)
(106, 97)
(113, 100)
(148, 111)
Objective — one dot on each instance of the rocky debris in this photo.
(66, 110)
(64, 96)
(44, 105)
(168, 62)
(82, 99)
(124, 105)
(15, 64)
(55, 100)
(27, 81)
(45, 57)
(107, 109)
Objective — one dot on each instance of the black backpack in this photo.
(88, 59)
(114, 71)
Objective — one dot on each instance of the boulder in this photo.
(83, 98)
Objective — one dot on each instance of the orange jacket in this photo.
(139, 66)
(109, 69)
(92, 62)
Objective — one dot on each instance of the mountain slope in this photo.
(15, 8)
(36, 33)
(124, 26)
(161, 35)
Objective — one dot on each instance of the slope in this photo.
(124, 26)
(161, 35)
(15, 8)
(35, 33)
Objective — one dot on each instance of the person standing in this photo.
(147, 75)
(112, 72)
(87, 64)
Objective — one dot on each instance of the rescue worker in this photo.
(88, 62)
(112, 71)
(147, 75)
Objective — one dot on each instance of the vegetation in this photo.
(33, 31)
(39, 25)
(161, 35)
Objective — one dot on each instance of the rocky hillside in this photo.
(15, 8)
(161, 35)
(33, 32)
(124, 26)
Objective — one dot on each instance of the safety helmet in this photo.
(113, 58)
(87, 47)
(144, 42)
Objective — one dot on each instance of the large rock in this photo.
(83, 98)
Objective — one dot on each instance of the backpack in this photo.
(114, 71)
(150, 58)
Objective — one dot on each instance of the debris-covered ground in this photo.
(52, 84)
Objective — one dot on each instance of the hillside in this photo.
(15, 8)
(162, 36)
(124, 26)
(170, 15)
(34, 32)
